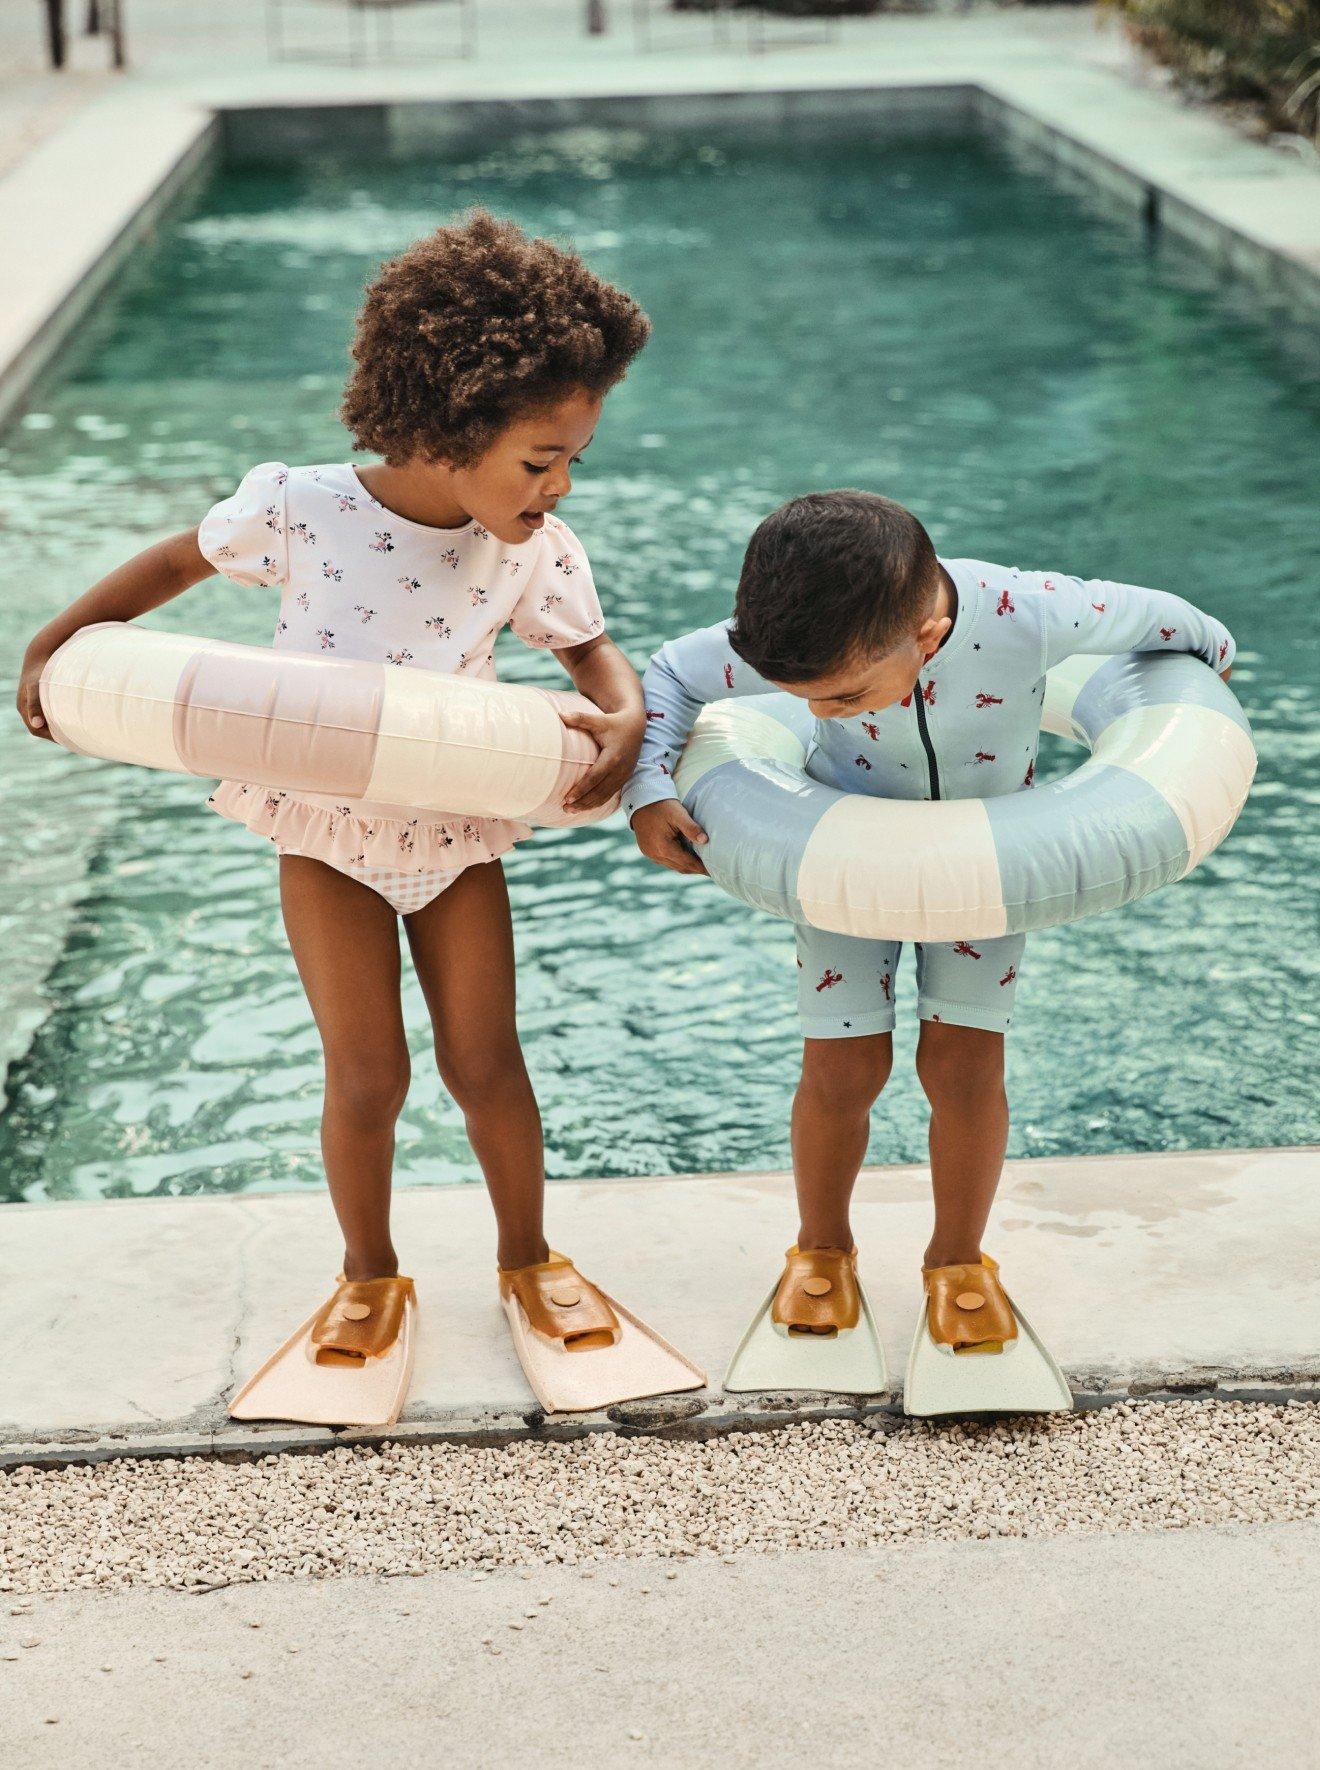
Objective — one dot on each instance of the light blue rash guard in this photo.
(971, 727)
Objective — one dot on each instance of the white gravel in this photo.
(199, 1522)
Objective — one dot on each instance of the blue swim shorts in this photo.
(846, 985)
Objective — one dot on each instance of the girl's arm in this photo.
(150, 578)
(601, 672)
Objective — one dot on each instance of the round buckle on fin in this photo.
(355, 1311)
(969, 1300)
(817, 1287)
(565, 1297)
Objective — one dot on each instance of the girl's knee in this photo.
(369, 1089)
(846, 1074)
(476, 1070)
(959, 1061)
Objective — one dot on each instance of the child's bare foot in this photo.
(518, 1251)
(366, 1263)
(952, 1254)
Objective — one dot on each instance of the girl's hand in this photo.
(142, 583)
(666, 834)
(29, 695)
(618, 736)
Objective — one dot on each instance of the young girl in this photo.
(482, 361)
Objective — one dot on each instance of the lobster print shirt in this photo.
(976, 729)
(357, 581)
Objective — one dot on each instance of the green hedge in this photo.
(1264, 51)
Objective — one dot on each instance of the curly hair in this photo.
(474, 326)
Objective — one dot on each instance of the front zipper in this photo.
(926, 744)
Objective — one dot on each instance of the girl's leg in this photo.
(462, 946)
(345, 942)
(841, 1081)
(961, 1069)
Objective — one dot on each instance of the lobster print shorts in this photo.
(846, 985)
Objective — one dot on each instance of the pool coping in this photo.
(721, 1416)
(1114, 1258)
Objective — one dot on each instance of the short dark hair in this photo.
(474, 326)
(827, 577)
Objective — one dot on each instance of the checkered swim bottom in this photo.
(406, 893)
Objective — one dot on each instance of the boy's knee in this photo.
(847, 1074)
(959, 1061)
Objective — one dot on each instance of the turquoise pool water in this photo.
(926, 319)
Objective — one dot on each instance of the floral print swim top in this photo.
(357, 581)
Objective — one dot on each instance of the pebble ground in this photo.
(199, 1523)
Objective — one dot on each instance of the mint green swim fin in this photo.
(814, 1331)
(974, 1352)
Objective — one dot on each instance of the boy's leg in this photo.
(345, 942)
(966, 992)
(846, 1009)
(462, 946)
(841, 1081)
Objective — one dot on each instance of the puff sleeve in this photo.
(246, 536)
(559, 605)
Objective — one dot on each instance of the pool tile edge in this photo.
(1110, 1256)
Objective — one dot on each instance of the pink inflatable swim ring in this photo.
(413, 738)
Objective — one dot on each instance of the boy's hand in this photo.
(664, 830)
(1225, 674)
(618, 736)
(29, 696)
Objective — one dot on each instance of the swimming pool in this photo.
(924, 318)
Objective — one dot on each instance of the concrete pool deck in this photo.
(1212, 1666)
(127, 1323)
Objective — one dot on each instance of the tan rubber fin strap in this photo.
(559, 1303)
(967, 1306)
(818, 1293)
(363, 1318)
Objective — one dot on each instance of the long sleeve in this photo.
(682, 676)
(1095, 615)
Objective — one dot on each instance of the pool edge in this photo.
(1115, 1258)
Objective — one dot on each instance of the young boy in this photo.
(926, 678)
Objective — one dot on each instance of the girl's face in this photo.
(526, 470)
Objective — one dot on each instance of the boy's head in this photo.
(487, 353)
(836, 601)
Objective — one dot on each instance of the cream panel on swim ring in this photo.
(114, 698)
(500, 745)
